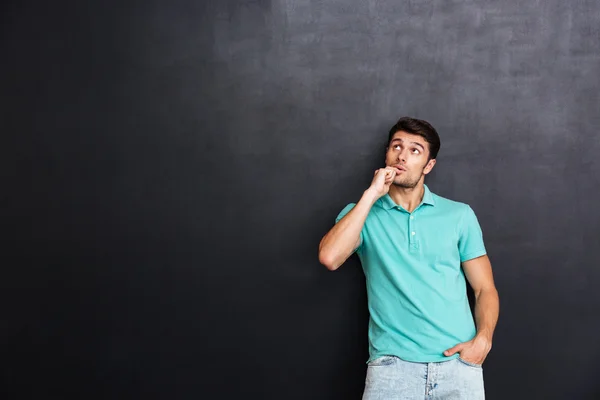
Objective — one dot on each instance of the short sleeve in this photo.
(342, 214)
(470, 242)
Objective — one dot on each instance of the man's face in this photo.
(409, 154)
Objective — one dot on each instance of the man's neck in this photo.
(408, 198)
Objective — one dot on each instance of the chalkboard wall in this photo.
(169, 168)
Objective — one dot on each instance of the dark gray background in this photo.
(168, 169)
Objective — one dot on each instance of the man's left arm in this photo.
(479, 274)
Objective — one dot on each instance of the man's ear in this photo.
(429, 166)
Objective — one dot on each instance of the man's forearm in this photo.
(487, 307)
(337, 245)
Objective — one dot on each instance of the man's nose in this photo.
(402, 155)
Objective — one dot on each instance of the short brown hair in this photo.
(418, 127)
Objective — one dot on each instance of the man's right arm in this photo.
(344, 238)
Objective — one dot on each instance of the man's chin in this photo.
(405, 185)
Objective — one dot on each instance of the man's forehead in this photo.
(408, 137)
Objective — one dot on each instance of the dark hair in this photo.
(418, 127)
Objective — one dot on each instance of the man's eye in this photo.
(397, 147)
(416, 151)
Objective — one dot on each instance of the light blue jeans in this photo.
(390, 378)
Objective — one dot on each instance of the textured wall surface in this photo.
(169, 168)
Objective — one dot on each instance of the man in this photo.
(416, 248)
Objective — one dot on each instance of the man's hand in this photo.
(382, 180)
(474, 351)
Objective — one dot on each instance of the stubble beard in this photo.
(408, 182)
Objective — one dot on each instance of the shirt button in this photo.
(412, 233)
(411, 217)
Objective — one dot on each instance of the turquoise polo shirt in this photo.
(416, 288)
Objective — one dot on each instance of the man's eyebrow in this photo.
(401, 140)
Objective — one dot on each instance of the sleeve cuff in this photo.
(472, 255)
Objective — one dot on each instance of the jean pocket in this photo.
(382, 361)
(470, 364)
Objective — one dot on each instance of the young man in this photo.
(416, 248)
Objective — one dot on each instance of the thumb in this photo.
(454, 350)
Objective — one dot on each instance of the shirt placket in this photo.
(413, 233)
